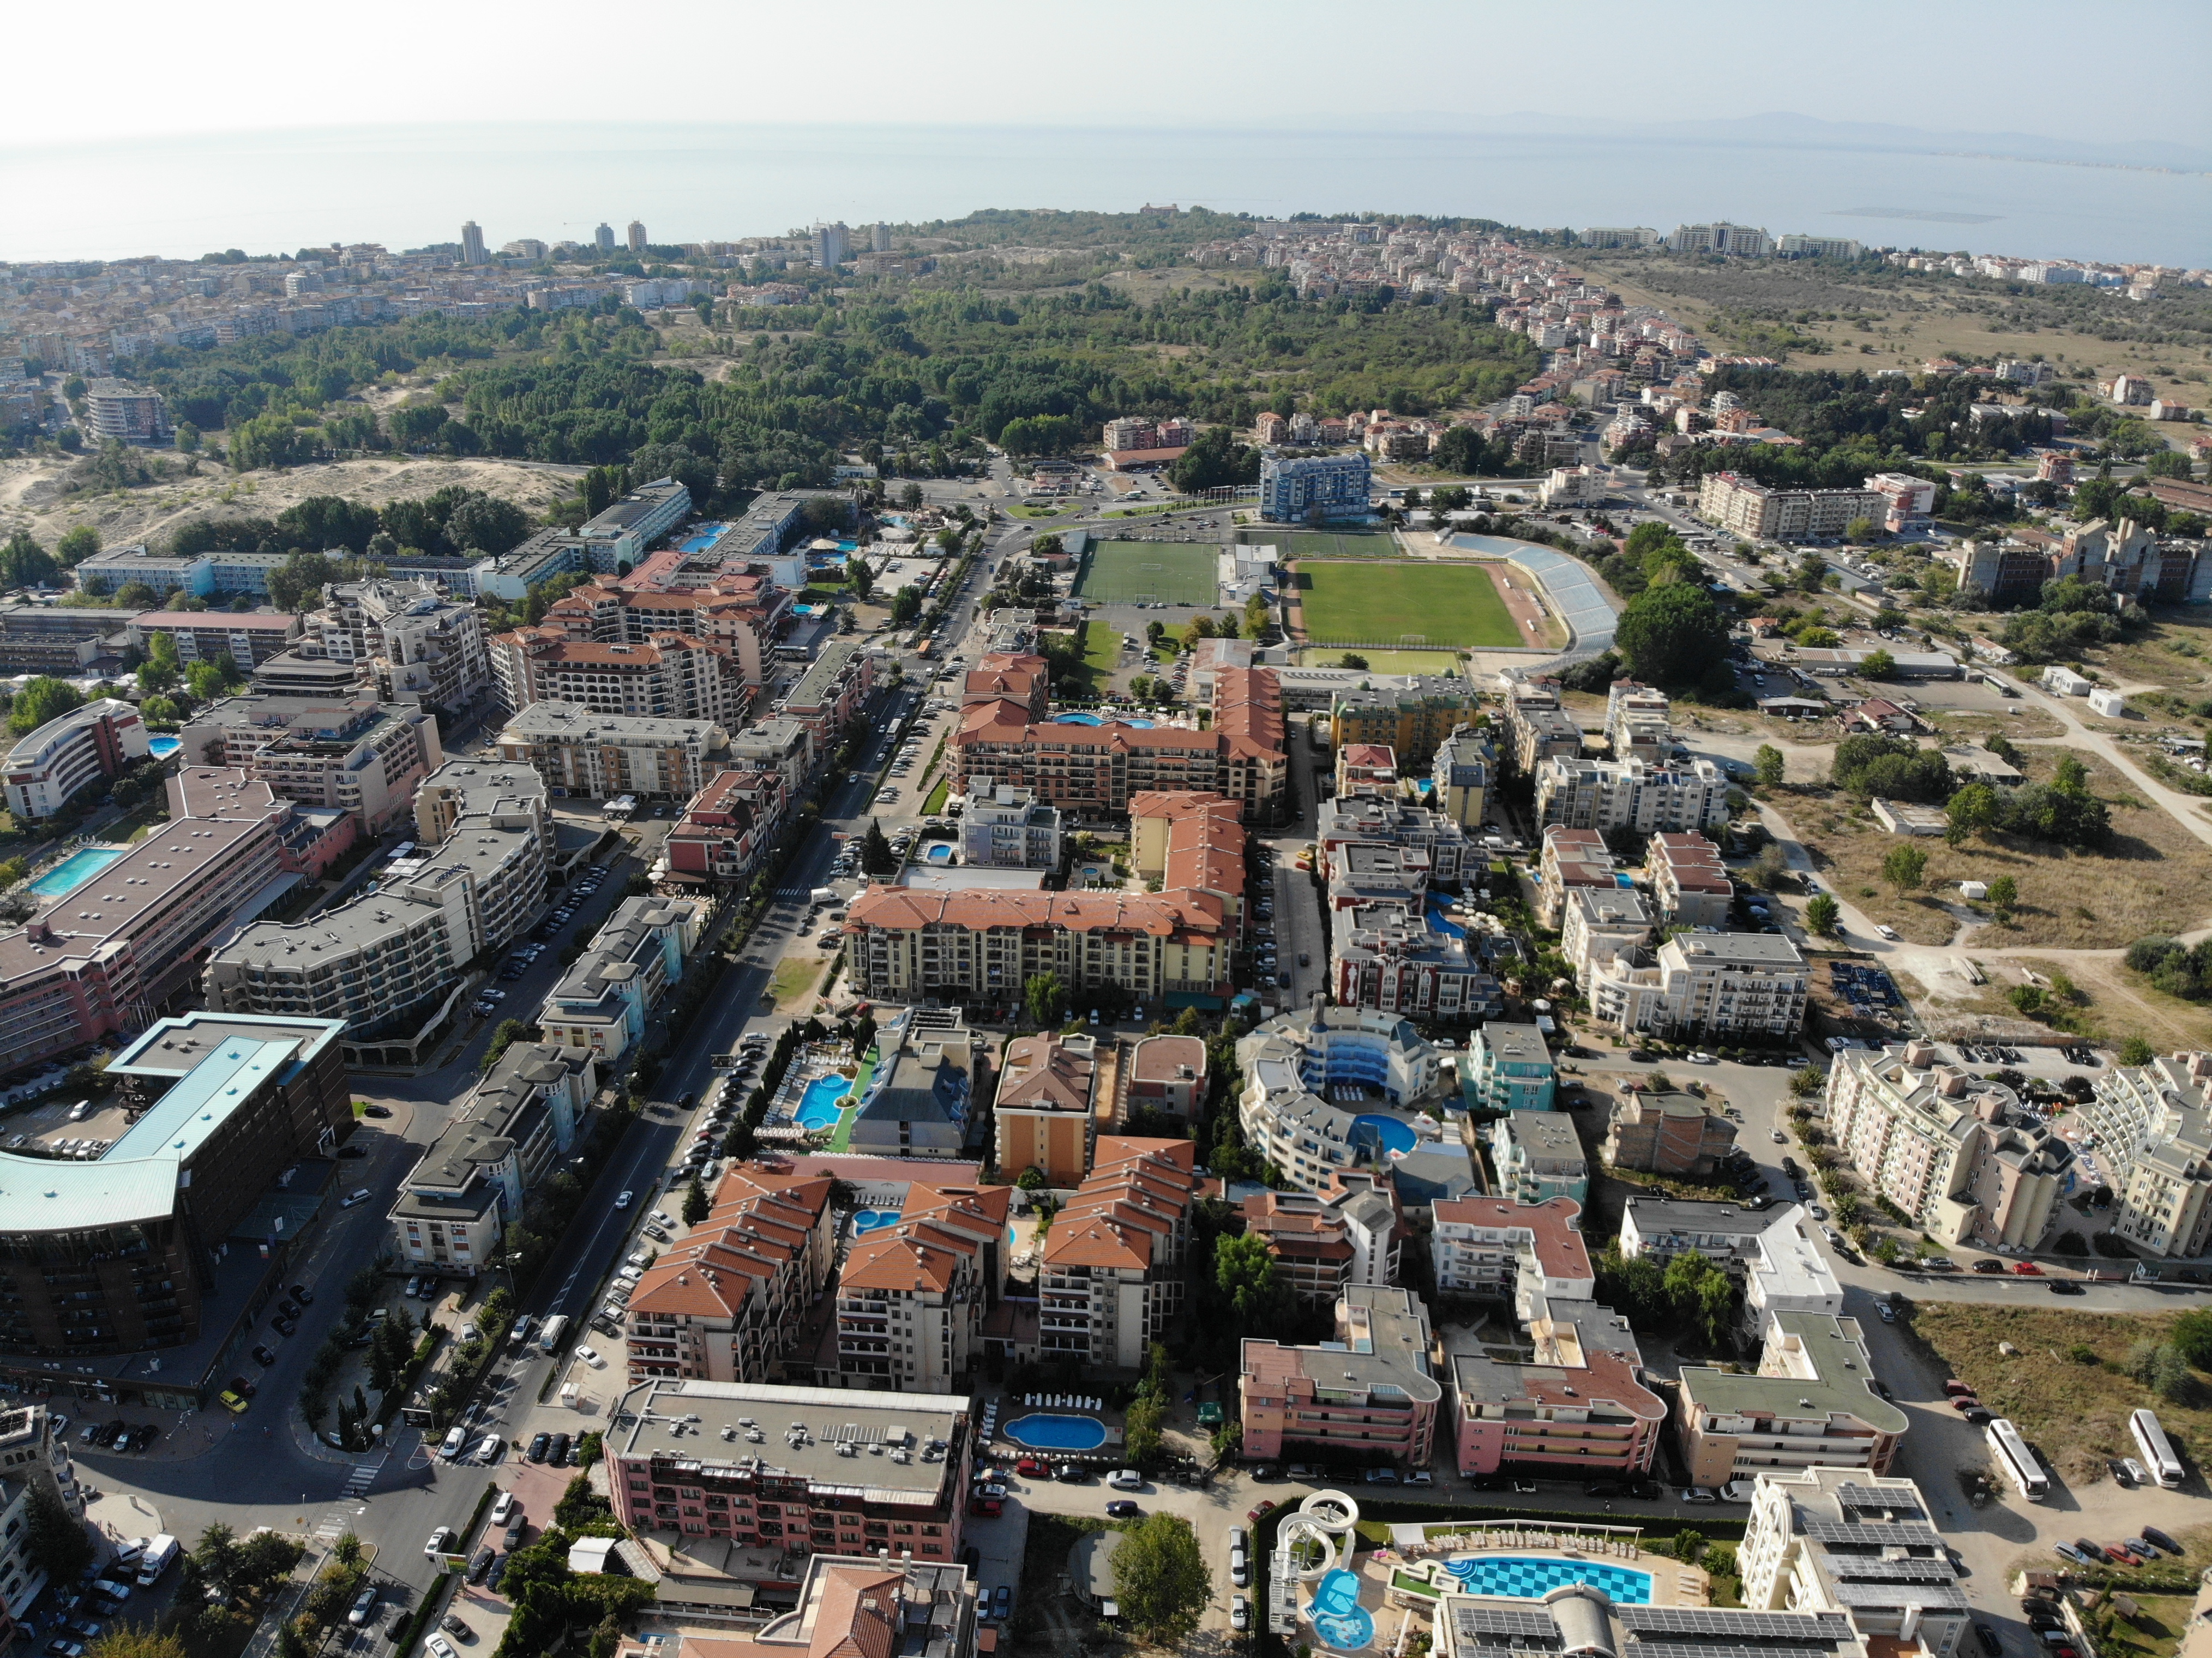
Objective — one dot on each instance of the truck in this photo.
(822, 895)
(555, 1327)
(155, 1561)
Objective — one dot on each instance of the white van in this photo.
(455, 1439)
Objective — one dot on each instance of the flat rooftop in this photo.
(573, 722)
(709, 1424)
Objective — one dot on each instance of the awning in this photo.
(1204, 1004)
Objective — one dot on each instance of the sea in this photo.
(407, 187)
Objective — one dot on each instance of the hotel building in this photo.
(1111, 1280)
(1373, 1388)
(591, 756)
(76, 751)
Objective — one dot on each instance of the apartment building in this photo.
(1538, 728)
(1509, 1068)
(1576, 1406)
(621, 533)
(33, 1460)
(248, 638)
(1690, 884)
(1706, 985)
(416, 644)
(582, 752)
(1953, 1152)
(1639, 723)
(1048, 1091)
(1164, 1074)
(1571, 859)
(1812, 1402)
(2154, 1131)
(919, 1097)
(1413, 714)
(1599, 923)
(1324, 1242)
(1387, 956)
(63, 639)
(1460, 776)
(1294, 489)
(470, 1184)
(1375, 1388)
(309, 838)
(1822, 1536)
(1135, 439)
(783, 746)
(391, 961)
(850, 1477)
(1742, 507)
(1006, 828)
(728, 828)
(981, 948)
(1581, 1618)
(910, 1311)
(352, 753)
(671, 676)
(1111, 1279)
(1538, 1156)
(70, 755)
(746, 613)
(115, 1259)
(726, 1302)
(1190, 840)
(1088, 772)
(1510, 1250)
(1378, 819)
(601, 1004)
(1769, 1251)
(1628, 796)
(1014, 676)
(1248, 718)
(830, 693)
(1667, 1131)
(119, 412)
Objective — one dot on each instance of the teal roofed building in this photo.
(1510, 1069)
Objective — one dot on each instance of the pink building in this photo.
(726, 828)
(1375, 1388)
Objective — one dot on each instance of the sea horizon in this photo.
(405, 186)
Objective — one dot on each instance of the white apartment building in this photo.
(595, 756)
(1811, 1405)
(1504, 1249)
(31, 1459)
(601, 1004)
(73, 752)
(1770, 1251)
(349, 752)
(1638, 722)
(2154, 1132)
(1951, 1150)
(1630, 795)
(120, 411)
(1726, 984)
(670, 676)
(1744, 507)
(423, 646)
(1112, 1276)
(1825, 1536)
(1009, 827)
(1600, 923)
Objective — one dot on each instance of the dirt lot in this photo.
(2156, 877)
(31, 497)
(2066, 1389)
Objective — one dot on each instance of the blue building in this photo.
(1293, 489)
(1510, 1069)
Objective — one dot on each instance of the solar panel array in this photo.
(1530, 1624)
(1871, 1570)
(1682, 1650)
(1874, 1497)
(1948, 1596)
(1905, 1534)
(1740, 1625)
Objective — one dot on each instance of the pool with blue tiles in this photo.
(1526, 1579)
(817, 1106)
(1047, 1432)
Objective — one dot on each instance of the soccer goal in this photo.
(1143, 599)
(1413, 641)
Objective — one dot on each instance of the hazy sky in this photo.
(2055, 68)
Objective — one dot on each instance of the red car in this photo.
(2121, 1552)
(1955, 1386)
(1033, 1467)
(2027, 1269)
(1260, 1513)
(1965, 1402)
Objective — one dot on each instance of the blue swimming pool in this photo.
(74, 871)
(865, 1221)
(1531, 1580)
(1092, 719)
(1442, 921)
(817, 1106)
(1047, 1432)
(163, 747)
(702, 538)
(1396, 1136)
(1340, 1622)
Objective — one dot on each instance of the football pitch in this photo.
(1403, 605)
(1333, 543)
(1167, 572)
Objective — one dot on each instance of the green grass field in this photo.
(1437, 662)
(1325, 543)
(1174, 572)
(1101, 651)
(1450, 605)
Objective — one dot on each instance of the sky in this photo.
(2056, 69)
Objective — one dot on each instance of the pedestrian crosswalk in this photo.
(364, 1475)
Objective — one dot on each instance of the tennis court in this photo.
(1407, 606)
(1165, 572)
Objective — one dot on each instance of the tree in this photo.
(1879, 664)
(1769, 765)
(906, 606)
(162, 668)
(1861, 530)
(1822, 913)
(2191, 1336)
(1160, 1579)
(1245, 1272)
(2136, 1051)
(1215, 461)
(1673, 635)
(695, 1203)
(2004, 893)
(877, 857)
(135, 1640)
(1904, 867)
(297, 583)
(1045, 999)
(2070, 776)
(1973, 808)
(55, 1538)
(43, 699)
(1352, 659)
(859, 577)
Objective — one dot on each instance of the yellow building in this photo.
(1047, 1084)
(1412, 713)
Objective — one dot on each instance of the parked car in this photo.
(1123, 1509)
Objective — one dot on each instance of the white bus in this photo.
(2157, 1454)
(2017, 1461)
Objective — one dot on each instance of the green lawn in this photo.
(1383, 661)
(1451, 605)
(935, 803)
(1102, 649)
(1171, 572)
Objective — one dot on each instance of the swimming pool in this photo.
(74, 871)
(817, 1106)
(1531, 1579)
(1339, 1620)
(700, 539)
(1093, 719)
(1396, 1136)
(1047, 1432)
(865, 1221)
(163, 747)
(1442, 921)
